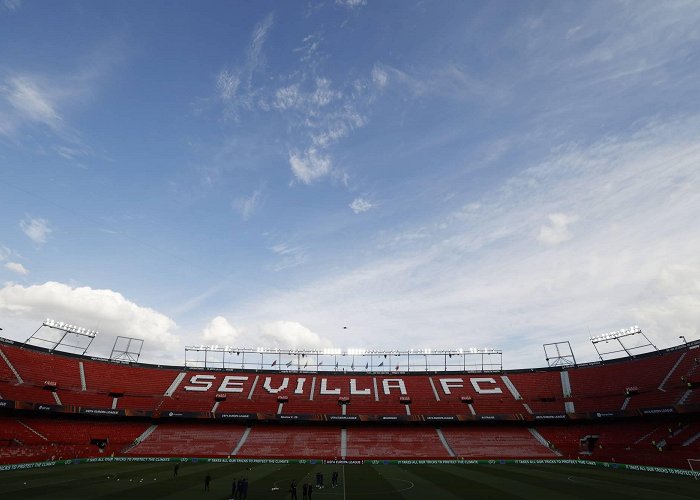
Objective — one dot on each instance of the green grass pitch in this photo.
(134, 481)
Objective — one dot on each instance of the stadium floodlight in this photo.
(618, 336)
(633, 330)
(67, 328)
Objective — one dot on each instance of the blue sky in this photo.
(428, 174)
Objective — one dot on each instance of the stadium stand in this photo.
(487, 442)
(394, 442)
(284, 441)
(32, 438)
(603, 386)
(640, 410)
(541, 391)
(187, 439)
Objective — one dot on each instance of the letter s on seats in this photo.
(486, 380)
(232, 383)
(200, 383)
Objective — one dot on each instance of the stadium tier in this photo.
(635, 409)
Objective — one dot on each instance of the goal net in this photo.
(694, 464)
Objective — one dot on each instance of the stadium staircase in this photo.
(670, 372)
(10, 367)
(241, 441)
(141, 438)
(444, 442)
(540, 439)
(32, 430)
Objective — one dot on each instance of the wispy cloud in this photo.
(28, 101)
(289, 256)
(380, 76)
(247, 205)
(360, 205)
(235, 87)
(12, 5)
(316, 111)
(309, 48)
(446, 80)
(479, 268)
(351, 4)
(34, 104)
(36, 229)
(309, 165)
(16, 267)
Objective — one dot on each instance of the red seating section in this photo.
(487, 442)
(304, 442)
(536, 386)
(627, 442)
(394, 442)
(143, 387)
(28, 439)
(603, 386)
(190, 440)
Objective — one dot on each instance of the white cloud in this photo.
(29, 102)
(16, 267)
(380, 77)
(291, 334)
(104, 310)
(360, 205)
(324, 94)
(220, 332)
(246, 206)
(5, 252)
(287, 97)
(37, 229)
(310, 165)
(557, 231)
(227, 84)
(282, 334)
(670, 305)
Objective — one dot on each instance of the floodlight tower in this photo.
(559, 354)
(64, 329)
(618, 336)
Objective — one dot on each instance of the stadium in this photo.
(120, 420)
(315, 249)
